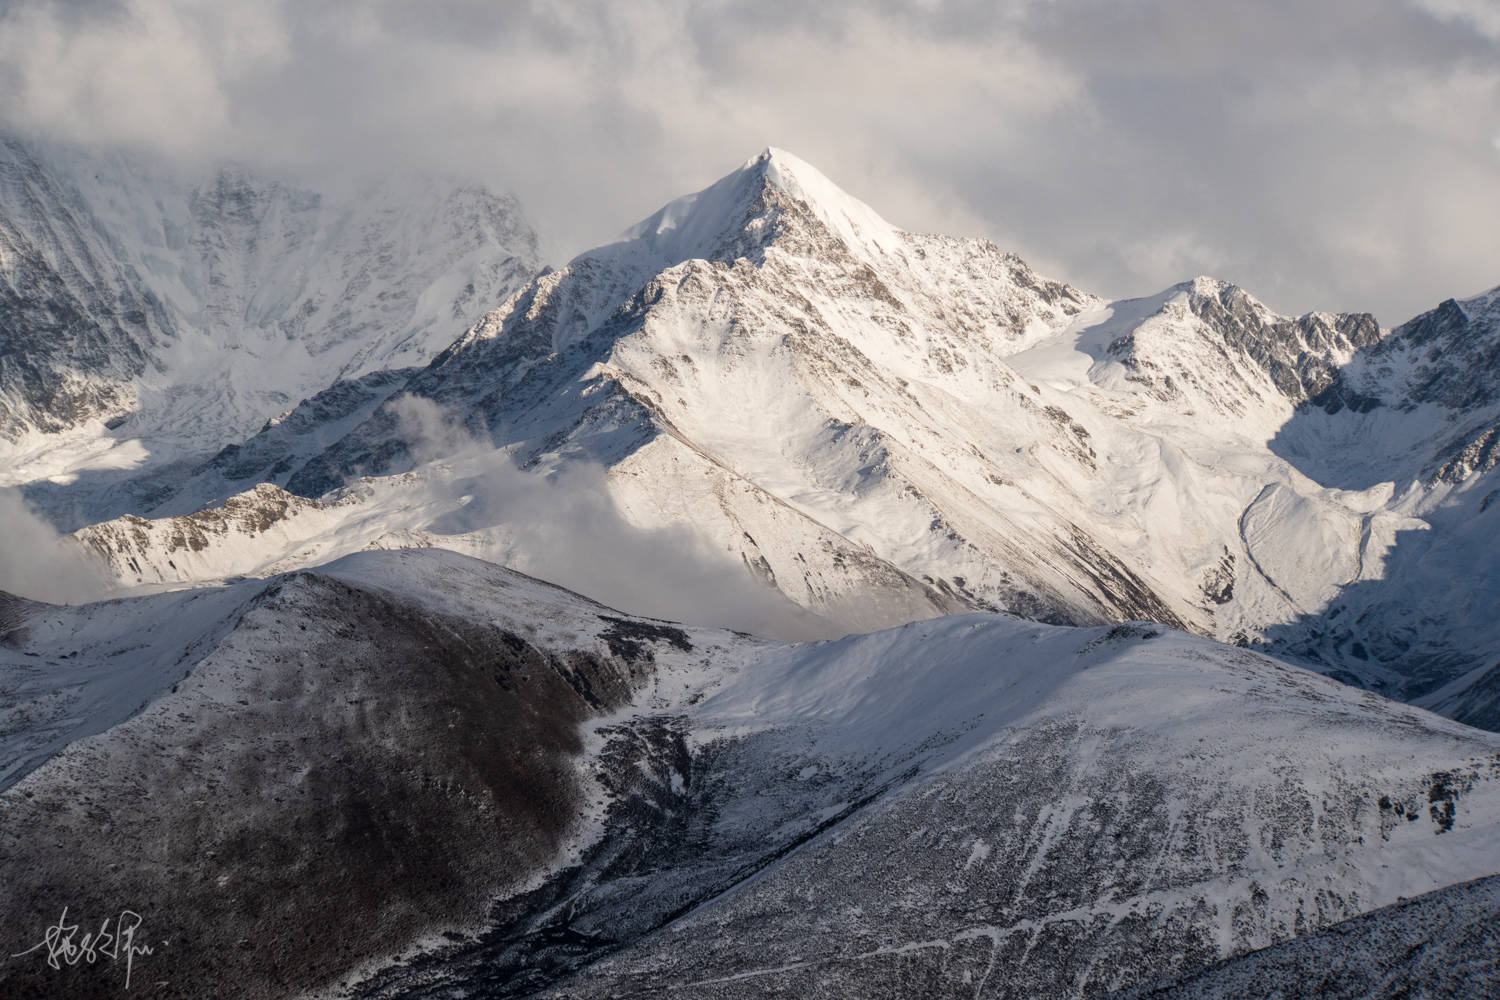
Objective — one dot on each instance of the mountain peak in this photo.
(716, 221)
(789, 174)
(1207, 286)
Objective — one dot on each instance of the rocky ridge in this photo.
(349, 762)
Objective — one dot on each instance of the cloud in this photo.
(1482, 15)
(152, 72)
(1334, 155)
(39, 563)
(566, 529)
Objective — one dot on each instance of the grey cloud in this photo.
(1482, 15)
(1336, 155)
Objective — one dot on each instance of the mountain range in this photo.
(150, 314)
(886, 426)
(915, 624)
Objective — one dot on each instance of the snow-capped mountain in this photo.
(520, 792)
(147, 314)
(886, 426)
(561, 369)
(340, 772)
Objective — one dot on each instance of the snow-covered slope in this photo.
(1341, 469)
(147, 315)
(1419, 430)
(1443, 944)
(402, 743)
(1023, 811)
(885, 426)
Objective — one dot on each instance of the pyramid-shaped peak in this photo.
(857, 223)
(790, 173)
(722, 216)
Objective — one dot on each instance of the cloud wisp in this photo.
(39, 563)
(566, 529)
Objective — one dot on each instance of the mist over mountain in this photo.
(150, 315)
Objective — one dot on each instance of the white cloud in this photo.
(567, 529)
(39, 563)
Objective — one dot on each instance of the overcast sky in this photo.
(1338, 154)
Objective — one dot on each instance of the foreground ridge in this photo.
(606, 804)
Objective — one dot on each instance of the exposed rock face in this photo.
(174, 544)
(1301, 356)
(76, 326)
(1456, 350)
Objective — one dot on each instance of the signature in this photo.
(64, 946)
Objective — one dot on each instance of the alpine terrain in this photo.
(148, 317)
(293, 781)
(885, 426)
(773, 602)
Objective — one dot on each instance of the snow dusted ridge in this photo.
(147, 316)
(884, 426)
(1447, 941)
(343, 764)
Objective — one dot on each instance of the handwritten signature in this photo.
(63, 946)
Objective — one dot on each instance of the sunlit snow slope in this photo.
(886, 426)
